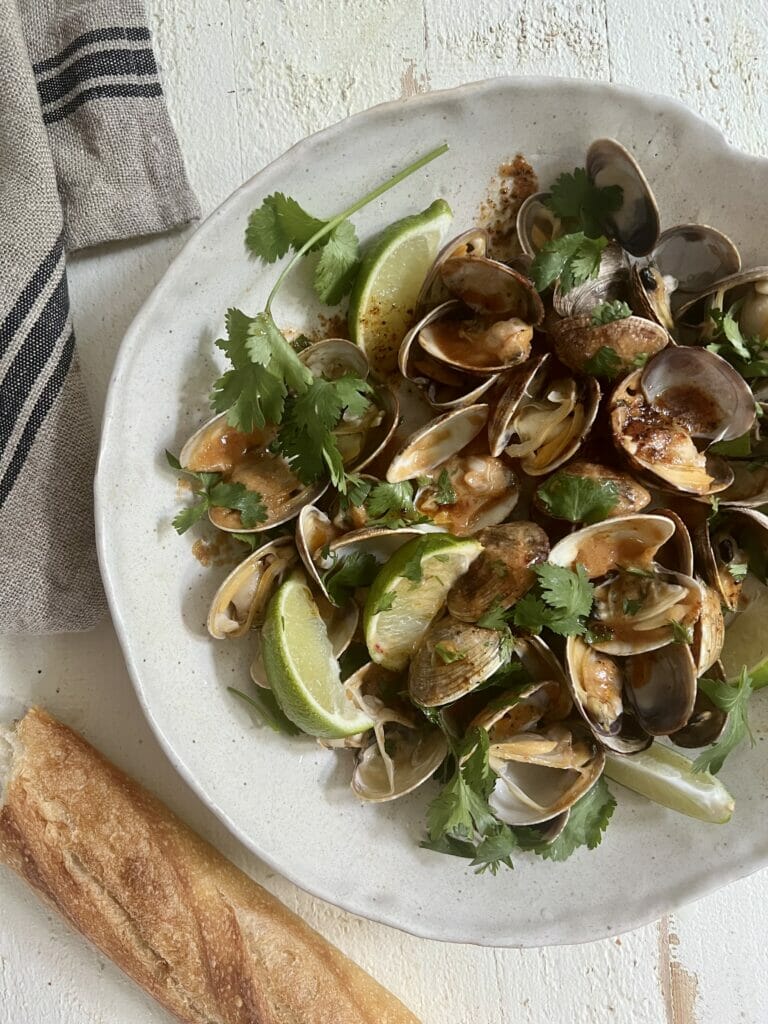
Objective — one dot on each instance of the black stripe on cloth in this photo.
(42, 407)
(29, 295)
(32, 356)
(101, 91)
(96, 35)
(102, 64)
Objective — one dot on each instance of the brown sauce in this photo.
(691, 408)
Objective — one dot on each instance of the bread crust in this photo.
(199, 935)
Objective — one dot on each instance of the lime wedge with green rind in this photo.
(301, 669)
(392, 271)
(746, 638)
(399, 609)
(667, 777)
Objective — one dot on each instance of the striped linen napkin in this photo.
(87, 154)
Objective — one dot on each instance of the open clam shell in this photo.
(244, 458)
(661, 687)
(650, 292)
(610, 284)
(696, 256)
(335, 357)
(596, 682)
(707, 720)
(659, 446)
(709, 631)
(493, 288)
(636, 223)
(631, 495)
(433, 444)
(536, 224)
(479, 346)
(485, 491)
(723, 550)
(241, 600)
(677, 553)
(541, 774)
(469, 243)
(411, 756)
(625, 542)
(523, 382)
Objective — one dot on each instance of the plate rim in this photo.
(697, 887)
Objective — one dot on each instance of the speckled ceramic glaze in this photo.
(287, 799)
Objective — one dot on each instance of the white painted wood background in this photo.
(245, 79)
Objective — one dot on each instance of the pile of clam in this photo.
(505, 372)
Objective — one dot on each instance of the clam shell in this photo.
(242, 598)
(577, 341)
(490, 287)
(707, 720)
(632, 496)
(486, 492)
(436, 442)
(502, 573)
(416, 754)
(709, 631)
(334, 358)
(536, 224)
(611, 283)
(524, 380)
(696, 255)
(661, 686)
(469, 243)
(433, 682)
(619, 543)
(636, 223)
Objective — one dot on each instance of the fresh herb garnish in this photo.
(605, 363)
(444, 490)
(391, 505)
(681, 634)
(561, 601)
(738, 570)
(570, 259)
(494, 618)
(357, 569)
(742, 352)
(448, 654)
(211, 491)
(459, 820)
(575, 198)
(587, 821)
(269, 711)
(607, 312)
(736, 448)
(305, 436)
(632, 606)
(385, 602)
(579, 499)
(734, 700)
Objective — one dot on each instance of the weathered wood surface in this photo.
(245, 79)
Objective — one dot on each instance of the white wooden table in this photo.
(245, 79)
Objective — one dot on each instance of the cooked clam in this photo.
(241, 600)
(578, 341)
(433, 444)
(536, 224)
(709, 631)
(707, 720)
(482, 345)
(723, 549)
(492, 288)
(610, 284)
(405, 760)
(650, 293)
(696, 256)
(470, 243)
(502, 573)
(484, 490)
(661, 687)
(625, 542)
(452, 659)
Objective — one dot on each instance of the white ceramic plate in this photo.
(287, 799)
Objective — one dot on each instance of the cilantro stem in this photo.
(329, 226)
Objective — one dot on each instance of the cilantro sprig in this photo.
(561, 601)
(392, 505)
(211, 491)
(570, 259)
(266, 375)
(734, 700)
(579, 499)
(265, 705)
(608, 312)
(357, 569)
(575, 197)
(459, 820)
(745, 353)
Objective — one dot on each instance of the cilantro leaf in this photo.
(212, 492)
(278, 225)
(449, 812)
(494, 849)
(269, 711)
(737, 448)
(236, 496)
(607, 312)
(743, 352)
(587, 821)
(358, 569)
(734, 700)
(681, 634)
(576, 197)
(631, 606)
(572, 259)
(604, 363)
(564, 590)
(448, 654)
(445, 493)
(478, 773)
(305, 436)
(450, 845)
(338, 264)
(579, 499)
(494, 618)
(412, 569)
(391, 505)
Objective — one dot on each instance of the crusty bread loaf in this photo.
(204, 939)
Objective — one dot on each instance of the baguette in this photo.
(204, 939)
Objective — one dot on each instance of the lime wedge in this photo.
(746, 639)
(409, 591)
(668, 778)
(391, 274)
(300, 666)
